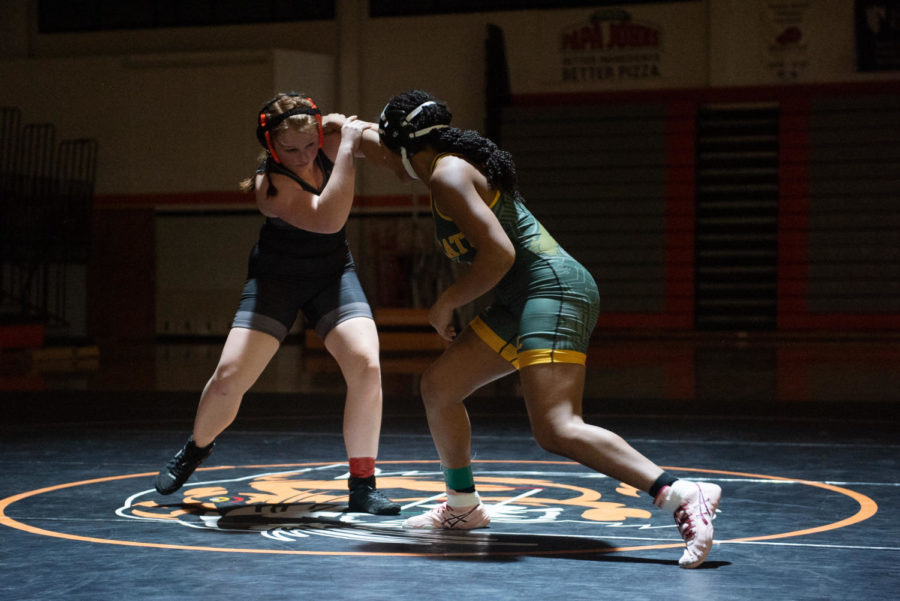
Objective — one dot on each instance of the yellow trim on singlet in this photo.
(537, 356)
(431, 197)
(525, 358)
(500, 346)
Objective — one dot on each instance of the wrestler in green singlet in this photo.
(546, 305)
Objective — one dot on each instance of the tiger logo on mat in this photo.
(311, 501)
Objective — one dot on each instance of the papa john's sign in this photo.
(609, 48)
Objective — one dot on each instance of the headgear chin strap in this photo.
(397, 132)
(406, 164)
(266, 122)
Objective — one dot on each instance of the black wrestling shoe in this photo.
(365, 498)
(181, 466)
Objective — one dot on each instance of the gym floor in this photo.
(802, 437)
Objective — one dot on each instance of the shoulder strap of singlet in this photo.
(321, 159)
(431, 198)
(440, 156)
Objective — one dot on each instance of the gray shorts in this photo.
(271, 305)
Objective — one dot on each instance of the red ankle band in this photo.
(362, 467)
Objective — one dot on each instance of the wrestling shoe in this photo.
(365, 498)
(181, 466)
(694, 507)
(451, 518)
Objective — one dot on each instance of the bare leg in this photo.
(244, 357)
(354, 345)
(553, 394)
(467, 365)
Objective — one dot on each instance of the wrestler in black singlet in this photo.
(291, 270)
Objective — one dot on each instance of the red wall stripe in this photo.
(793, 211)
(239, 200)
(681, 106)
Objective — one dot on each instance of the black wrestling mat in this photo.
(810, 510)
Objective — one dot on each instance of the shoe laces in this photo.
(375, 493)
(450, 519)
(685, 522)
(685, 515)
(184, 457)
(178, 461)
(368, 492)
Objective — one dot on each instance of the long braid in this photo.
(496, 164)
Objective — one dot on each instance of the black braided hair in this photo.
(497, 165)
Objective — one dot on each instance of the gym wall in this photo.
(167, 107)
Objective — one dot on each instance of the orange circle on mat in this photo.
(867, 508)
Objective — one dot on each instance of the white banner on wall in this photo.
(638, 47)
(610, 46)
(877, 35)
(785, 38)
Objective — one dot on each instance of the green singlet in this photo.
(545, 307)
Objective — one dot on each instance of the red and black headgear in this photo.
(266, 122)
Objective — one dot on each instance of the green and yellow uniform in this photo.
(545, 307)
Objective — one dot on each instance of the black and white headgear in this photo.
(398, 132)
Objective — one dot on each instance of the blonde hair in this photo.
(302, 122)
